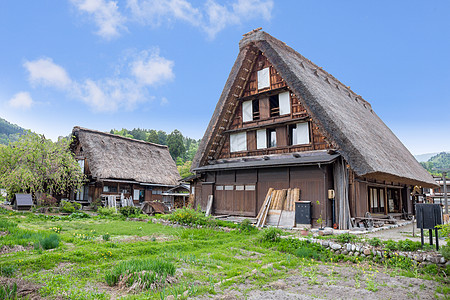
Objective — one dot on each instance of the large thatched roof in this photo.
(115, 157)
(366, 143)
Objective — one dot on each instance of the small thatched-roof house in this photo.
(117, 165)
(284, 122)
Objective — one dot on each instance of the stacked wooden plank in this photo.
(278, 203)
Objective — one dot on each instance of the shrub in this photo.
(246, 226)
(408, 245)
(47, 200)
(144, 272)
(130, 211)
(79, 215)
(69, 207)
(7, 271)
(271, 234)
(8, 293)
(445, 251)
(391, 245)
(96, 204)
(376, 242)
(189, 216)
(106, 211)
(308, 252)
(346, 238)
(50, 242)
(106, 237)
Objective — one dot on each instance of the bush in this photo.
(144, 272)
(50, 242)
(189, 216)
(375, 242)
(246, 226)
(69, 207)
(106, 237)
(47, 200)
(130, 211)
(106, 211)
(346, 238)
(408, 245)
(271, 234)
(445, 251)
(96, 204)
(7, 271)
(79, 215)
(391, 245)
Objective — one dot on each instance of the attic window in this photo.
(261, 139)
(271, 138)
(299, 134)
(274, 105)
(250, 110)
(280, 104)
(263, 78)
(238, 142)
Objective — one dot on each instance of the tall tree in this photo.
(153, 136)
(162, 137)
(35, 164)
(175, 144)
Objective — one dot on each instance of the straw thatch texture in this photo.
(366, 143)
(115, 157)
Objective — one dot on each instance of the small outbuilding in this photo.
(22, 202)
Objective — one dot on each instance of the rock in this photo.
(363, 255)
(219, 267)
(357, 249)
(336, 246)
(353, 248)
(350, 253)
(357, 253)
(418, 258)
(428, 258)
(345, 252)
(185, 294)
(349, 247)
(254, 271)
(325, 243)
(367, 251)
(170, 297)
(447, 263)
(379, 254)
(435, 260)
(279, 284)
(442, 260)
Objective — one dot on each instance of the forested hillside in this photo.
(181, 148)
(438, 163)
(9, 132)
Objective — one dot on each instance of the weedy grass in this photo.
(203, 260)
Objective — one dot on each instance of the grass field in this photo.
(110, 258)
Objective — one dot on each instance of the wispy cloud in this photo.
(164, 101)
(211, 17)
(105, 14)
(45, 71)
(143, 70)
(21, 100)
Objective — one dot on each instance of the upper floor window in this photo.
(250, 110)
(280, 104)
(238, 141)
(299, 133)
(271, 138)
(263, 79)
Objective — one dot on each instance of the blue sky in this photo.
(162, 64)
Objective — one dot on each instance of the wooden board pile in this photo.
(278, 208)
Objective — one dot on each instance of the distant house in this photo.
(436, 195)
(283, 122)
(116, 165)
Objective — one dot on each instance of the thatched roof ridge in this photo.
(111, 156)
(366, 143)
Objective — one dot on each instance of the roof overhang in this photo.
(271, 162)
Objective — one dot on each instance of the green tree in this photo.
(162, 137)
(139, 134)
(124, 132)
(175, 144)
(36, 164)
(184, 169)
(153, 136)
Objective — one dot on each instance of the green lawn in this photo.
(207, 261)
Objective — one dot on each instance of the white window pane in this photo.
(382, 198)
(219, 188)
(247, 111)
(239, 188)
(261, 139)
(273, 139)
(250, 187)
(263, 78)
(81, 164)
(229, 188)
(136, 195)
(285, 103)
(302, 133)
(238, 141)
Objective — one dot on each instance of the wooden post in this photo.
(444, 175)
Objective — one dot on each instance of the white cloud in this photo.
(110, 94)
(21, 100)
(45, 71)
(151, 69)
(164, 101)
(211, 18)
(105, 14)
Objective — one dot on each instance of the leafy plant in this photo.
(50, 242)
(69, 207)
(96, 204)
(271, 234)
(106, 211)
(347, 238)
(375, 242)
(8, 293)
(106, 237)
(246, 226)
(47, 200)
(189, 216)
(7, 271)
(130, 211)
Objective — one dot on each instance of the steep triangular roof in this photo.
(112, 156)
(366, 143)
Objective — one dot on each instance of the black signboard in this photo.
(428, 216)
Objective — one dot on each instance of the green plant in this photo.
(96, 204)
(189, 216)
(271, 234)
(246, 226)
(320, 219)
(79, 215)
(8, 293)
(7, 271)
(130, 211)
(375, 242)
(347, 238)
(145, 272)
(106, 211)
(106, 237)
(445, 251)
(391, 245)
(47, 200)
(50, 242)
(69, 207)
